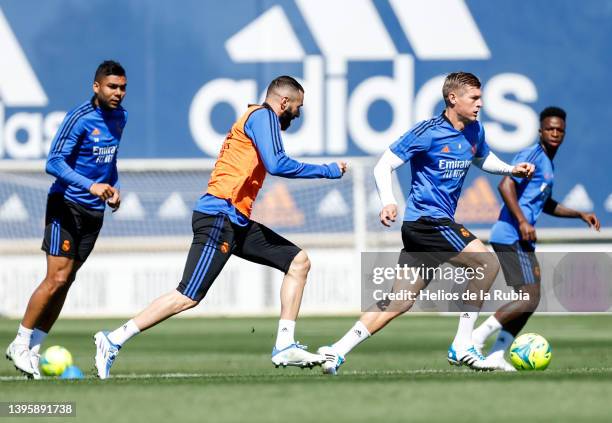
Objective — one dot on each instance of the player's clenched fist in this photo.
(343, 167)
(388, 214)
(523, 170)
(115, 200)
(102, 191)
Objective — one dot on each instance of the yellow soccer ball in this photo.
(530, 352)
(55, 360)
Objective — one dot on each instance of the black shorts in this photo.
(216, 238)
(71, 230)
(518, 262)
(430, 242)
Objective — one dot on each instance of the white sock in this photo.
(38, 336)
(123, 333)
(482, 332)
(463, 337)
(356, 335)
(24, 336)
(503, 341)
(284, 336)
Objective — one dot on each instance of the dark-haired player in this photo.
(513, 237)
(222, 227)
(440, 151)
(83, 158)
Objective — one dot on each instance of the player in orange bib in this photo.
(222, 227)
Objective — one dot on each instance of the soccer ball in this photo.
(55, 360)
(530, 352)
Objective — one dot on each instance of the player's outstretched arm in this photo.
(553, 208)
(384, 185)
(263, 129)
(490, 163)
(507, 190)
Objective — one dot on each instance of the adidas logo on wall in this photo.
(19, 87)
(334, 116)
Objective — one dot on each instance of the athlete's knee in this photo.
(533, 301)
(181, 302)
(300, 264)
(58, 280)
(488, 264)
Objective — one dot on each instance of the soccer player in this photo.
(83, 158)
(222, 227)
(440, 151)
(513, 237)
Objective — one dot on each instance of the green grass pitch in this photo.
(219, 370)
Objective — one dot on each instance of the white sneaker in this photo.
(479, 348)
(333, 360)
(19, 354)
(468, 356)
(106, 352)
(498, 362)
(34, 360)
(296, 355)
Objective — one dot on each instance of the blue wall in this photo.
(173, 49)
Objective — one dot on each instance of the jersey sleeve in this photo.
(410, 144)
(263, 129)
(64, 144)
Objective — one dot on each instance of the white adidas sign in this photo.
(19, 87)
(331, 112)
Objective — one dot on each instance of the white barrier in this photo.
(122, 284)
(112, 284)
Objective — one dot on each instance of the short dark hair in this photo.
(552, 111)
(283, 82)
(457, 80)
(109, 67)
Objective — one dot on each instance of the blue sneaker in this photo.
(333, 360)
(468, 356)
(296, 355)
(106, 352)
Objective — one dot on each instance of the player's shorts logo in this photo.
(464, 232)
(66, 246)
(224, 247)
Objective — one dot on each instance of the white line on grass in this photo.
(136, 376)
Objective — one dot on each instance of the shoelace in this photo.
(301, 346)
(476, 353)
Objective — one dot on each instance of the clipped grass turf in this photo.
(218, 370)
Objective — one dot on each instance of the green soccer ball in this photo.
(55, 360)
(530, 352)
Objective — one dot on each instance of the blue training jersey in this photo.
(84, 152)
(263, 129)
(440, 157)
(532, 195)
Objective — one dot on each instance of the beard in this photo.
(285, 119)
